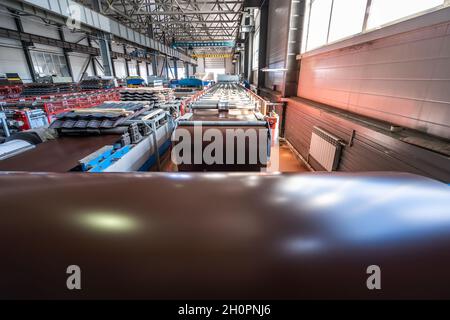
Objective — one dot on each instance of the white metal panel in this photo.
(119, 66)
(38, 27)
(143, 70)
(40, 3)
(12, 60)
(214, 63)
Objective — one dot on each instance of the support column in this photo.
(65, 51)
(175, 68)
(186, 70)
(104, 43)
(127, 71)
(167, 67)
(25, 48)
(113, 68)
(296, 17)
(138, 70)
(262, 61)
(92, 59)
(250, 49)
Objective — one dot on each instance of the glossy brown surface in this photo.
(178, 235)
(195, 134)
(60, 155)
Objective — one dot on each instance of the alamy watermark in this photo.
(213, 146)
(73, 281)
(374, 280)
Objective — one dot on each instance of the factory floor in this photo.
(282, 159)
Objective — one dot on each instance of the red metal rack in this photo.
(10, 92)
(55, 104)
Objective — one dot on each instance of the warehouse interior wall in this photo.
(12, 57)
(393, 74)
(400, 78)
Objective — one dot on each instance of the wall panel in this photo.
(372, 149)
(403, 79)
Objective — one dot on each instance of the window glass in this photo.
(347, 18)
(385, 11)
(49, 64)
(318, 23)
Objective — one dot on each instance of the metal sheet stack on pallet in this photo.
(104, 116)
(162, 98)
(42, 89)
(147, 94)
(96, 84)
(29, 112)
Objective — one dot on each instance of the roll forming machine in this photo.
(112, 137)
(238, 114)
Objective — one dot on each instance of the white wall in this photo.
(12, 58)
(119, 65)
(143, 70)
(229, 66)
(77, 61)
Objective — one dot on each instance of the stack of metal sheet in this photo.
(228, 108)
(147, 94)
(96, 84)
(43, 89)
(106, 116)
(138, 96)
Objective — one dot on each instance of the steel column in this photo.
(65, 51)
(175, 68)
(294, 44)
(263, 26)
(25, 48)
(127, 71)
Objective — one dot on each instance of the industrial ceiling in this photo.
(170, 21)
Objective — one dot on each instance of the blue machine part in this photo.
(107, 158)
(94, 159)
(193, 44)
(190, 82)
(135, 81)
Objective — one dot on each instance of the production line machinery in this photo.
(236, 118)
(112, 137)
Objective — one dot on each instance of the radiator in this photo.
(325, 148)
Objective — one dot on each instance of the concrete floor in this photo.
(284, 160)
